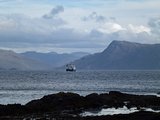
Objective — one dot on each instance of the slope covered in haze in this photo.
(10, 60)
(123, 55)
(54, 59)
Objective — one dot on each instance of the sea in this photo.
(24, 86)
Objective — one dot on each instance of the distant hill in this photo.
(10, 60)
(123, 55)
(54, 59)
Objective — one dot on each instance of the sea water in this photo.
(23, 86)
(116, 111)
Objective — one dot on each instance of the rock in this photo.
(12, 109)
(73, 104)
(56, 102)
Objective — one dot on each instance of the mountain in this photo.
(123, 55)
(10, 60)
(54, 59)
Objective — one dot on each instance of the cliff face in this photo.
(123, 55)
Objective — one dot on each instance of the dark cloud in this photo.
(61, 38)
(94, 16)
(67, 38)
(55, 11)
(112, 19)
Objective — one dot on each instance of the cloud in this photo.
(60, 32)
(141, 37)
(110, 27)
(94, 16)
(139, 29)
(154, 23)
(22, 32)
(21, 23)
(6, 23)
(54, 12)
(113, 19)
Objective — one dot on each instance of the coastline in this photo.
(68, 106)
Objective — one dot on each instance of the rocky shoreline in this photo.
(69, 106)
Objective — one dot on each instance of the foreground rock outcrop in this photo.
(69, 105)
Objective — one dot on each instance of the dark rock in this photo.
(142, 115)
(56, 102)
(71, 104)
(12, 109)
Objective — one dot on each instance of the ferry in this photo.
(71, 67)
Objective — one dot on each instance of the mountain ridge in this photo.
(54, 59)
(9, 60)
(32, 60)
(123, 55)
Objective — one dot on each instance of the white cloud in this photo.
(109, 27)
(6, 24)
(139, 29)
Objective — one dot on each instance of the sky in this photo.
(66, 26)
